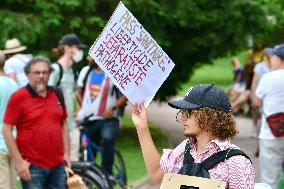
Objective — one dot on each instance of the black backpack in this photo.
(201, 169)
(59, 95)
(75, 72)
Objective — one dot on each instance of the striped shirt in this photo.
(237, 171)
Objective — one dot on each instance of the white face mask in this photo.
(78, 56)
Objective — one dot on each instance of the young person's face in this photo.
(189, 123)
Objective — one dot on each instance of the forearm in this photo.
(11, 144)
(150, 154)
(65, 135)
(254, 84)
(120, 102)
(79, 96)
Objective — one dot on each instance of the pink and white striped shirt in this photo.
(237, 171)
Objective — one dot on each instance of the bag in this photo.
(75, 72)
(115, 91)
(59, 95)
(74, 181)
(201, 169)
(276, 124)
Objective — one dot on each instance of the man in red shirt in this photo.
(41, 145)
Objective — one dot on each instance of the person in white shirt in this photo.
(15, 63)
(270, 95)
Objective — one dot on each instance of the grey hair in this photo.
(37, 59)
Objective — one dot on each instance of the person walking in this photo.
(205, 114)
(101, 102)
(270, 96)
(7, 166)
(69, 51)
(16, 61)
(41, 147)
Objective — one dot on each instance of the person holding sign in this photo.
(205, 114)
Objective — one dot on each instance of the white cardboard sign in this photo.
(130, 57)
(177, 181)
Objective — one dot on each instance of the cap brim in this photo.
(183, 104)
(82, 46)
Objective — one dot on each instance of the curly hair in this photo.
(221, 124)
(59, 51)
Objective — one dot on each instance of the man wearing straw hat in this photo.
(14, 65)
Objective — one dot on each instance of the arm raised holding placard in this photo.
(150, 153)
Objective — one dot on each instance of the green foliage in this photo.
(190, 32)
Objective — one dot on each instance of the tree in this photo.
(190, 32)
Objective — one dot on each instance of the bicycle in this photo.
(92, 175)
(87, 149)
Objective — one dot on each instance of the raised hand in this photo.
(140, 119)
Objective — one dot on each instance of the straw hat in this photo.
(13, 46)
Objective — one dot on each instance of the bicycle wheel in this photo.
(91, 174)
(119, 169)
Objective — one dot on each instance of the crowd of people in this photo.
(263, 95)
(43, 103)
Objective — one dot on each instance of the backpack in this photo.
(59, 95)
(75, 72)
(115, 91)
(201, 169)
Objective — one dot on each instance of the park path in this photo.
(164, 117)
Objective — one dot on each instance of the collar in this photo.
(221, 144)
(32, 91)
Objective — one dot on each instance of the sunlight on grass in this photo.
(219, 72)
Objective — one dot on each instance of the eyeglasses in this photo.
(184, 114)
(38, 73)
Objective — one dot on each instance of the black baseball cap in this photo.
(204, 95)
(278, 50)
(72, 39)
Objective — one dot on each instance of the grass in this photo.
(129, 146)
(219, 72)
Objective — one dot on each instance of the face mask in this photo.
(78, 56)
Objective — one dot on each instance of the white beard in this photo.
(40, 87)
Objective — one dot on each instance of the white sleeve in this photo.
(257, 68)
(9, 66)
(54, 76)
(82, 75)
(262, 87)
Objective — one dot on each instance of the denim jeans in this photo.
(104, 132)
(42, 178)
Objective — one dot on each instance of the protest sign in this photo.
(130, 57)
(177, 181)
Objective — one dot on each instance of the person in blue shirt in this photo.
(7, 166)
